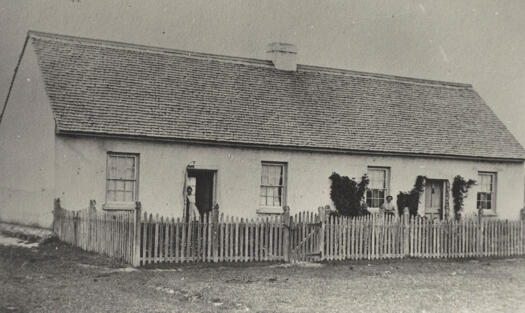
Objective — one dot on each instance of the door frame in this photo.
(443, 196)
(214, 172)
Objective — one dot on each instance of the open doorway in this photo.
(203, 185)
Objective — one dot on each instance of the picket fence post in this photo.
(136, 238)
(286, 233)
(75, 228)
(479, 247)
(215, 232)
(322, 218)
(56, 214)
(92, 205)
(406, 232)
(91, 228)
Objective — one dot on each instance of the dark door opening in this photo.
(204, 188)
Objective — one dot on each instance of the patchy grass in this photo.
(58, 278)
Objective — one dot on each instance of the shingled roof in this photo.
(106, 88)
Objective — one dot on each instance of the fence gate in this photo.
(305, 235)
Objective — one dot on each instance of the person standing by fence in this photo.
(388, 207)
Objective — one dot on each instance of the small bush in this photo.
(348, 195)
(411, 199)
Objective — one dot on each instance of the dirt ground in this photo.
(55, 277)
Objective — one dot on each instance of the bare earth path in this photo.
(57, 278)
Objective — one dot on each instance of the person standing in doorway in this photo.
(191, 207)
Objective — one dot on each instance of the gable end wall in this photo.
(27, 149)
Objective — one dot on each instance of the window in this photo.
(273, 185)
(378, 186)
(487, 191)
(121, 178)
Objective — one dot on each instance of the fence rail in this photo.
(140, 238)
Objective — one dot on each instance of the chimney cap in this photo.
(282, 47)
(283, 55)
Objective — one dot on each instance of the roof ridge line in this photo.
(245, 60)
(155, 49)
(387, 77)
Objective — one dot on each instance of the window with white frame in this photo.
(486, 198)
(273, 185)
(378, 186)
(121, 177)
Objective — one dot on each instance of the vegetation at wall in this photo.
(348, 195)
(460, 188)
(410, 199)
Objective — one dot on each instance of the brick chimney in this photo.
(283, 56)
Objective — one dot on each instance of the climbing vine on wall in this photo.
(460, 188)
(410, 199)
(348, 195)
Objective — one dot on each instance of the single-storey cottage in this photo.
(115, 122)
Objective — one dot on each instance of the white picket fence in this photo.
(386, 237)
(228, 239)
(105, 232)
(140, 239)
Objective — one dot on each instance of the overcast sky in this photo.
(480, 42)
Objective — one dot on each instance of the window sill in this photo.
(373, 210)
(119, 206)
(486, 212)
(270, 210)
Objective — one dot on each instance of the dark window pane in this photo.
(381, 194)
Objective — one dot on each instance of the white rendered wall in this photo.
(81, 173)
(27, 135)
